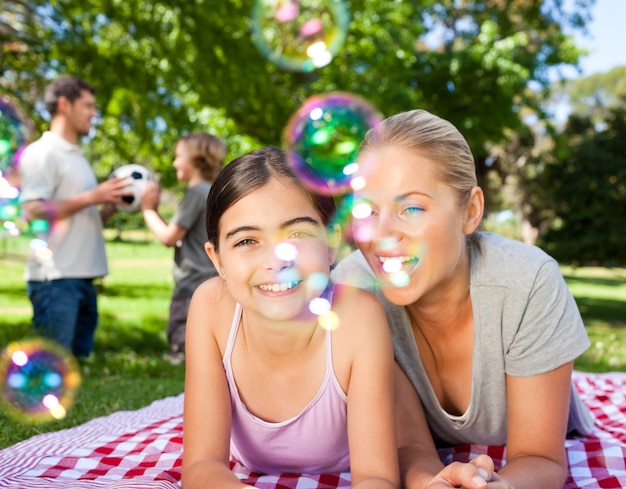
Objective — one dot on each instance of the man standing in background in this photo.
(59, 186)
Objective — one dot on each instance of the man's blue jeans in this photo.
(66, 311)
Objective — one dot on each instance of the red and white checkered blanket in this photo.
(142, 449)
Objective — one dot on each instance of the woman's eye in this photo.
(412, 210)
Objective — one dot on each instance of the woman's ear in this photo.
(215, 258)
(474, 211)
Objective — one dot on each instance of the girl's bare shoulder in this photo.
(211, 311)
(359, 310)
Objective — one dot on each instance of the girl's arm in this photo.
(420, 465)
(537, 425)
(207, 410)
(371, 432)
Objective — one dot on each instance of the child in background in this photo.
(265, 383)
(198, 159)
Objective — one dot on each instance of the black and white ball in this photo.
(140, 175)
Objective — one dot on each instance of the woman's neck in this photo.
(448, 305)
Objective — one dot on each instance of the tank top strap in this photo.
(330, 371)
(234, 327)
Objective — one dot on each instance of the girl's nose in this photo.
(281, 256)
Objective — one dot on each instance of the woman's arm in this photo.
(207, 410)
(420, 465)
(371, 420)
(537, 425)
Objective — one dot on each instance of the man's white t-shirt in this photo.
(52, 168)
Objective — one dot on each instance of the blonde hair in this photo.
(206, 152)
(434, 138)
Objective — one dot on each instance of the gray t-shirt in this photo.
(192, 266)
(52, 168)
(526, 322)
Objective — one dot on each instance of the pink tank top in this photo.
(314, 441)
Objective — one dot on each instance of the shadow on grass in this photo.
(612, 312)
(11, 293)
(594, 281)
(144, 336)
(148, 290)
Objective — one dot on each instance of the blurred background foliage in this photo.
(164, 68)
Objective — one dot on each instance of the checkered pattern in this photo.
(142, 450)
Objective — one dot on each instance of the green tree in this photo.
(592, 95)
(165, 67)
(583, 192)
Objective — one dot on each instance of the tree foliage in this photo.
(582, 188)
(167, 67)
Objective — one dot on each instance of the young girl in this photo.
(265, 383)
(198, 158)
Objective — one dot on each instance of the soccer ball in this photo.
(140, 175)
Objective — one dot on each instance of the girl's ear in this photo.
(215, 258)
(474, 211)
(334, 241)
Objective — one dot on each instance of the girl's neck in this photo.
(279, 340)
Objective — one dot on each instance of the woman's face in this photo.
(414, 235)
(273, 251)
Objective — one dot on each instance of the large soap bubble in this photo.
(299, 35)
(39, 380)
(322, 139)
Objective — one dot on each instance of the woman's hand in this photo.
(476, 474)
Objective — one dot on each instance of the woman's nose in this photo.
(382, 227)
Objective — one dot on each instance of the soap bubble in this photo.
(15, 133)
(322, 139)
(299, 35)
(39, 380)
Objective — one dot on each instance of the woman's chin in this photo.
(401, 295)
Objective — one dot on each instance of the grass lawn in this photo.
(127, 370)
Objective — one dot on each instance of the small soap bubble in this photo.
(318, 281)
(10, 208)
(38, 226)
(15, 132)
(319, 306)
(299, 35)
(329, 321)
(39, 380)
(285, 251)
(322, 139)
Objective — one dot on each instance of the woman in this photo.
(485, 330)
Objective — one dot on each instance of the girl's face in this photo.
(273, 249)
(409, 225)
(182, 163)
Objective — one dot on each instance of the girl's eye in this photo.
(300, 234)
(245, 242)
